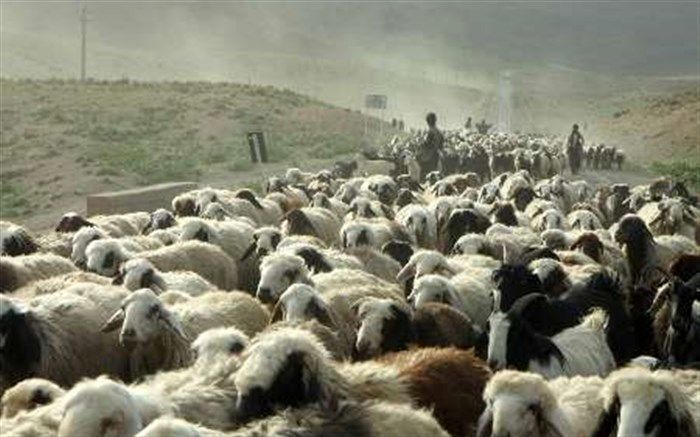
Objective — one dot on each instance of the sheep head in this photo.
(105, 256)
(218, 342)
(302, 302)
(143, 318)
(139, 273)
(385, 326)
(100, 407)
(521, 404)
(281, 369)
(643, 403)
(277, 273)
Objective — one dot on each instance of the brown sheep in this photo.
(449, 381)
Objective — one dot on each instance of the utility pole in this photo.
(83, 31)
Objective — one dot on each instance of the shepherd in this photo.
(431, 149)
(574, 149)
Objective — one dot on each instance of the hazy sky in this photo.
(661, 37)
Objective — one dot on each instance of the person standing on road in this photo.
(574, 149)
(430, 150)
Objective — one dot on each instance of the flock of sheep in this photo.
(501, 304)
(488, 155)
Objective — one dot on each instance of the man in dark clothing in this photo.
(430, 150)
(574, 149)
(483, 127)
(468, 124)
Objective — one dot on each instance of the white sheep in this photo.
(377, 263)
(420, 223)
(376, 419)
(157, 336)
(207, 260)
(280, 270)
(373, 233)
(425, 262)
(550, 219)
(338, 207)
(53, 336)
(318, 222)
(670, 216)
(60, 282)
(639, 402)
(583, 220)
(140, 273)
(88, 234)
(213, 344)
(29, 394)
(17, 271)
(465, 293)
(364, 206)
(521, 404)
(301, 302)
(233, 237)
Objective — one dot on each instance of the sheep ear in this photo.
(485, 423)
(408, 271)
(114, 322)
(172, 323)
(388, 212)
(660, 298)
(607, 421)
(249, 251)
(277, 313)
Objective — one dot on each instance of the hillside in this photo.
(61, 140)
(657, 128)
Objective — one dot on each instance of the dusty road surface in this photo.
(609, 177)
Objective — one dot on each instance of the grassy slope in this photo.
(61, 140)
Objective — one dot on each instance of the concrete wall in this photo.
(138, 199)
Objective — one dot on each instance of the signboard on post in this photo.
(256, 142)
(375, 101)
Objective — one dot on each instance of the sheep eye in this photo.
(235, 348)
(152, 311)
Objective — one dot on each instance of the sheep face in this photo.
(16, 241)
(215, 211)
(434, 288)
(362, 207)
(630, 228)
(681, 336)
(219, 342)
(551, 219)
(521, 404)
(139, 273)
(425, 262)
(159, 219)
(265, 241)
(197, 229)
(104, 257)
(20, 348)
(384, 327)
(277, 273)
(80, 242)
(356, 234)
(470, 244)
(143, 318)
(513, 281)
(641, 406)
(71, 222)
(99, 408)
(417, 224)
(489, 193)
(299, 303)
(28, 395)
(279, 370)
